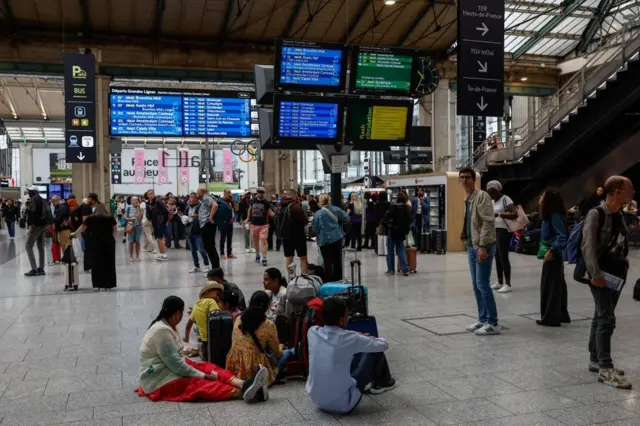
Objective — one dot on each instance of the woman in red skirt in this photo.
(166, 375)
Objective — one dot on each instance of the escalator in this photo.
(595, 128)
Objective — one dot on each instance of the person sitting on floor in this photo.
(336, 383)
(208, 302)
(217, 275)
(276, 287)
(255, 341)
(230, 301)
(166, 375)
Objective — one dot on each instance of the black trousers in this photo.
(602, 325)
(209, 242)
(503, 265)
(332, 257)
(370, 234)
(226, 237)
(553, 293)
(356, 235)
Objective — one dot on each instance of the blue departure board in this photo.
(311, 66)
(145, 115)
(308, 120)
(214, 116)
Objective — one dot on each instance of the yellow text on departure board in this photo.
(389, 123)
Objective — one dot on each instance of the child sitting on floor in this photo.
(336, 381)
(208, 302)
(230, 301)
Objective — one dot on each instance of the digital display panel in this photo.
(310, 66)
(308, 118)
(215, 116)
(177, 113)
(381, 69)
(375, 121)
(145, 115)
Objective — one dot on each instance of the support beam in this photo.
(87, 27)
(569, 7)
(536, 8)
(414, 24)
(225, 24)
(161, 5)
(557, 36)
(295, 12)
(594, 25)
(364, 5)
(8, 15)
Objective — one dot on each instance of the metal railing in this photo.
(602, 66)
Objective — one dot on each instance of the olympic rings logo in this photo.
(239, 148)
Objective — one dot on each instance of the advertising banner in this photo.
(138, 165)
(227, 166)
(183, 166)
(163, 169)
(59, 169)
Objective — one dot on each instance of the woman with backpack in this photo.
(328, 226)
(503, 208)
(397, 221)
(553, 287)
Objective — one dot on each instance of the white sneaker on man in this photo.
(162, 257)
(496, 286)
(488, 330)
(194, 270)
(505, 289)
(475, 326)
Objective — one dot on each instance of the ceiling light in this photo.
(389, 2)
(524, 78)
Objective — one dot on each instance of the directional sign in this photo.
(479, 129)
(80, 108)
(480, 57)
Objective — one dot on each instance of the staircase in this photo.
(593, 113)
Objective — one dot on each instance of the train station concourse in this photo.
(319, 212)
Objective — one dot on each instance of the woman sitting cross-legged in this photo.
(255, 341)
(166, 375)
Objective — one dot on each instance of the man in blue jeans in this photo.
(194, 236)
(344, 364)
(479, 236)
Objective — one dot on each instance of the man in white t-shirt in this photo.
(503, 208)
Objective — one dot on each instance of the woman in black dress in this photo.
(101, 228)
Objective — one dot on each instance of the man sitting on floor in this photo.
(337, 380)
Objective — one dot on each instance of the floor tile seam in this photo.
(611, 403)
(468, 400)
(16, 317)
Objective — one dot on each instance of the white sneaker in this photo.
(488, 330)
(496, 286)
(475, 326)
(253, 250)
(205, 269)
(194, 270)
(162, 257)
(505, 289)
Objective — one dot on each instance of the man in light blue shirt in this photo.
(337, 380)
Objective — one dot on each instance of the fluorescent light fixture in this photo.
(389, 2)
(524, 78)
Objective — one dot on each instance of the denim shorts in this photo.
(136, 234)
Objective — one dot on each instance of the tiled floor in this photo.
(72, 358)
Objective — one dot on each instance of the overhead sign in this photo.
(480, 58)
(80, 108)
(340, 164)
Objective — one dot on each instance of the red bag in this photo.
(55, 252)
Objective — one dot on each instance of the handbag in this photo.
(543, 249)
(380, 230)
(129, 228)
(411, 242)
(518, 223)
(272, 359)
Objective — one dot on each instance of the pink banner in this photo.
(183, 166)
(138, 165)
(163, 169)
(227, 165)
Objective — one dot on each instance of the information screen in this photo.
(382, 70)
(379, 121)
(216, 116)
(310, 65)
(177, 113)
(145, 115)
(308, 120)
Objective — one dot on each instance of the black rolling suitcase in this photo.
(636, 290)
(219, 331)
(425, 243)
(439, 241)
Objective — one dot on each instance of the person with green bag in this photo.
(553, 287)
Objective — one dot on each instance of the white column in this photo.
(442, 150)
(26, 166)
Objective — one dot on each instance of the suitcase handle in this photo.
(355, 263)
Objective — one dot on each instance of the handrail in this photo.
(597, 71)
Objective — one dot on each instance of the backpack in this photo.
(284, 223)
(47, 214)
(302, 289)
(224, 213)
(572, 252)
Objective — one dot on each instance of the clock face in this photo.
(428, 77)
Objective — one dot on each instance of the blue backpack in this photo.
(571, 252)
(224, 213)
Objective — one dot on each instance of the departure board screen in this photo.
(309, 65)
(308, 118)
(177, 113)
(382, 70)
(379, 121)
(215, 116)
(139, 114)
